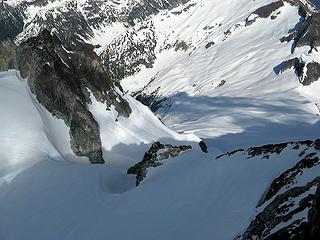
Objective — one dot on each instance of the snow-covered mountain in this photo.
(205, 113)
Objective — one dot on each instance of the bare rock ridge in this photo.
(61, 81)
(282, 209)
(289, 209)
(154, 157)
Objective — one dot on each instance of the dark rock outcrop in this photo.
(266, 150)
(289, 176)
(264, 12)
(181, 46)
(154, 157)
(282, 209)
(209, 44)
(314, 216)
(312, 74)
(269, 10)
(62, 81)
(308, 33)
(294, 63)
(153, 100)
(57, 85)
(203, 146)
(290, 207)
(228, 154)
(305, 33)
(312, 69)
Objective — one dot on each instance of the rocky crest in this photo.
(289, 209)
(154, 157)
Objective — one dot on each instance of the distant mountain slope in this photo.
(227, 82)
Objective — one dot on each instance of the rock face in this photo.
(307, 73)
(289, 176)
(289, 209)
(266, 150)
(314, 216)
(154, 157)
(270, 10)
(282, 209)
(306, 33)
(61, 81)
(312, 74)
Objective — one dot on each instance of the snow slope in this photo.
(193, 196)
(124, 140)
(29, 133)
(229, 93)
(40, 177)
